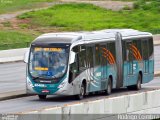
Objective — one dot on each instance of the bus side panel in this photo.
(95, 79)
(147, 77)
(112, 71)
(125, 74)
(99, 79)
(131, 79)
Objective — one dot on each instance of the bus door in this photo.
(145, 50)
(129, 58)
(90, 66)
(103, 64)
(97, 68)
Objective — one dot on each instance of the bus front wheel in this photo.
(80, 96)
(42, 97)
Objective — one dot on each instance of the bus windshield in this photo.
(48, 62)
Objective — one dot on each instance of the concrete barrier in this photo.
(139, 103)
(12, 55)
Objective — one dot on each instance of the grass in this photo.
(78, 17)
(14, 39)
(15, 5)
(144, 16)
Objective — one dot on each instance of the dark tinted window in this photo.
(145, 49)
(129, 52)
(82, 58)
(124, 50)
(150, 47)
(136, 49)
(97, 55)
(89, 56)
(111, 53)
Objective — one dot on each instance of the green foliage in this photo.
(14, 5)
(74, 17)
(13, 39)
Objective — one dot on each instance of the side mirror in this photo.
(72, 57)
(26, 57)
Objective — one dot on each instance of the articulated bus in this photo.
(79, 63)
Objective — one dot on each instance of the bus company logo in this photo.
(108, 55)
(135, 52)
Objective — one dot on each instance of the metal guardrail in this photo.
(6, 46)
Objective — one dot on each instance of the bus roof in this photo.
(71, 37)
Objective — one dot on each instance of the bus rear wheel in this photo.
(80, 96)
(108, 91)
(42, 97)
(138, 85)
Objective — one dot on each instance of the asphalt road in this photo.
(25, 104)
(12, 78)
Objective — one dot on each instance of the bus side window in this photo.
(129, 54)
(150, 47)
(124, 51)
(145, 49)
(82, 58)
(111, 48)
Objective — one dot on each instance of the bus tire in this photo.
(80, 96)
(139, 81)
(42, 97)
(109, 87)
(138, 84)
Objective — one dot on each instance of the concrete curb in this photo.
(12, 95)
(146, 102)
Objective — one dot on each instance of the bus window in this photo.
(124, 50)
(82, 58)
(89, 54)
(129, 52)
(97, 55)
(111, 52)
(145, 49)
(150, 47)
(136, 50)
